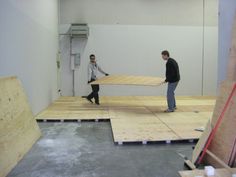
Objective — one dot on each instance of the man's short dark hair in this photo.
(166, 53)
(92, 56)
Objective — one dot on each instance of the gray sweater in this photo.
(93, 69)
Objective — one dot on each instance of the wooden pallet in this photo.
(18, 128)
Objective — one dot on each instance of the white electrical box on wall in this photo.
(72, 62)
(77, 59)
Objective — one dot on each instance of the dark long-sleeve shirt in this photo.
(172, 71)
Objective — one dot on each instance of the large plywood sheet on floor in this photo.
(83, 114)
(192, 102)
(132, 117)
(130, 80)
(130, 113)
(184, 124)
(18, 128)
(138, 130)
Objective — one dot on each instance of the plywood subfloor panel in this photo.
(189, 108)
(184, 124)
(180, 102)
(130, 113)
(18, 128)
(218, 173)
(138, 118)
(130, 80)
(138, 130)
(83, 114)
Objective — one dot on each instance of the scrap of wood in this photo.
(129, 80)
(190, 164)
(187, 162)
(232, 161)
(218, 173)
(18, 128)
(200, 129)
(223, 164)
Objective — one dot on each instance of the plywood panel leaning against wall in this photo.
(223, 124)
(18, 128)
(223, 143)
(231, 70)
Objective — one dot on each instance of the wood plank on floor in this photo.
(218, 173)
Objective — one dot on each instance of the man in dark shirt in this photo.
(172, 78)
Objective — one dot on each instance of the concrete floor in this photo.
(87, 150)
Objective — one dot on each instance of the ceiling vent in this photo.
(79, 30)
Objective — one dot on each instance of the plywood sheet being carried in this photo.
(18, 128)
(218, 173)
(130, 80)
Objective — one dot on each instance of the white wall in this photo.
(137, 12)
(227, 9)
(28, 47)
(133, 45)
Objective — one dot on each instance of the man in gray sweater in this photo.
(93, 69)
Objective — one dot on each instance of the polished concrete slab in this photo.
(87, 150)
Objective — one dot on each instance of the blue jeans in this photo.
(171, 95)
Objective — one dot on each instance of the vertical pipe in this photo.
(203, 45)
(73, 71)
